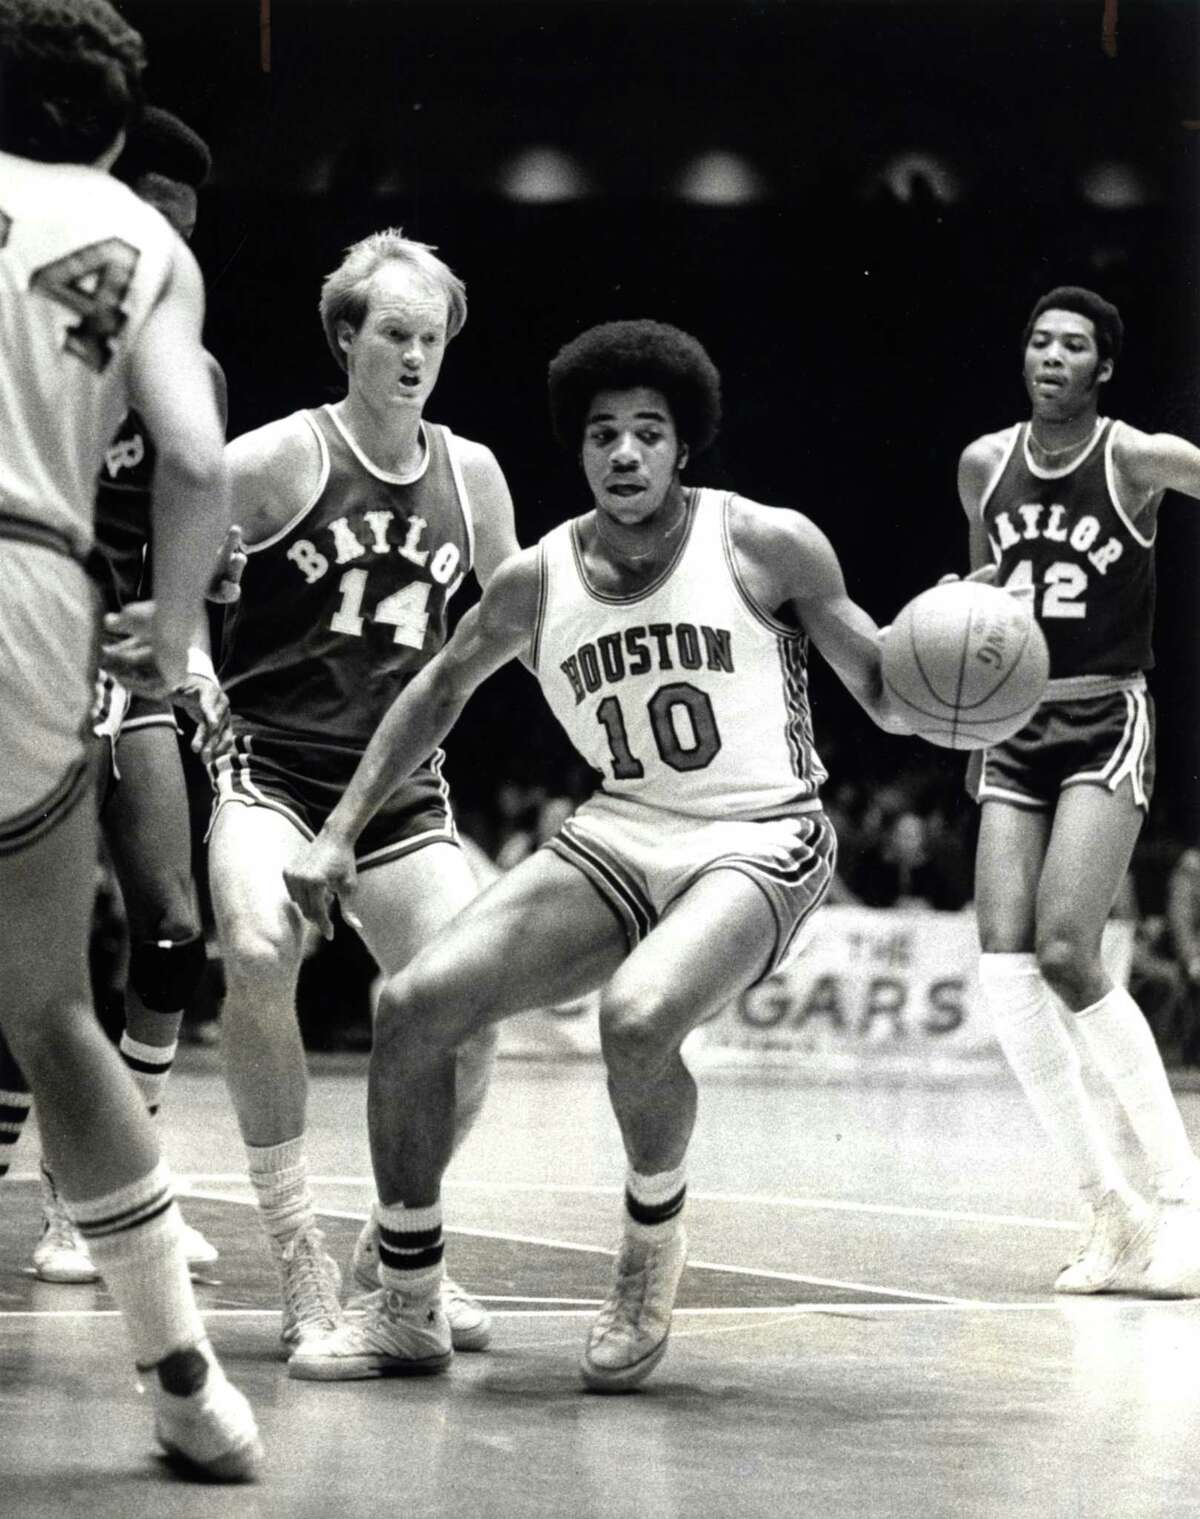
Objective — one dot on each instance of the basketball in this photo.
(965, 664)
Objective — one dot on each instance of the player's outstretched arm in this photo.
(846, 635)
(496, 630)
(172, 387)
(792, 572)
(1151, 463)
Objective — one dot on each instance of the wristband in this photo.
(199, 662)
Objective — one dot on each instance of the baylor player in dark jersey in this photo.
(1063, 508)
(360, 520)
(139, 779)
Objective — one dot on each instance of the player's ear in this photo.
(345, 336)
(682, 459)
(1105, 372)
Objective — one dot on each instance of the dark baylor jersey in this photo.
(341, 607)
(1065, 531)
(123, 515)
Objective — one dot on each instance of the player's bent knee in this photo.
(637, 1033)
(256, 963)
(1067, 963)
(419, 1017)
(45, 1041)
(1001, 938)
(480, 1047)
(165, 973)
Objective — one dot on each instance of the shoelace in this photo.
(627, 1298)
(59, 1231)
(57, 1227)
(1102, 1237)
(307, 1290)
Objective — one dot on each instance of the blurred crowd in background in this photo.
(908, 844)
(853, 206)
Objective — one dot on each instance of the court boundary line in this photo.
(211, 1195)
(906, 1299)
(780, 1310)
(755, 1199)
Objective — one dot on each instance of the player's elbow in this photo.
(195, 467)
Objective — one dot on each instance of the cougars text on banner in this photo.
(874, 984)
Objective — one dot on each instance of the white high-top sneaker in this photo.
(1114, 1246)
(629, 1336)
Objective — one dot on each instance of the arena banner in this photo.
(874, 987)
(888, 988)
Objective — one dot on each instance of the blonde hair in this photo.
(344, 292)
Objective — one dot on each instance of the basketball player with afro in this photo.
(669, 628)
(1064, 508)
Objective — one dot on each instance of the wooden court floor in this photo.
(864, 1329)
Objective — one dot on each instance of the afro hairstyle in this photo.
(622, 355)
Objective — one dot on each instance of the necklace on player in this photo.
(1054, 453)
(656, 548)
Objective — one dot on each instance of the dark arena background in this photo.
(853, 205)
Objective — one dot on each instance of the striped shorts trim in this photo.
(254, 772)
(23, 831)
(117, 710)
(47, 661)
(640, 864)
(1102, 740)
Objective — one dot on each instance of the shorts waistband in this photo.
(25, 530)
(1080, 687)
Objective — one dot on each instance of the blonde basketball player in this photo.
(100, 308)
(669, 630)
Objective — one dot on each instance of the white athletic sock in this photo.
(410, 1249)
(279, 1176)
(134, 1236)
(1043, 1059)
(150, 1065)
(1121, 1041)
(653, 1203)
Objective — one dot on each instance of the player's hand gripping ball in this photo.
(965, 664)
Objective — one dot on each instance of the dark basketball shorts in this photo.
(304, 780)
(641, 860)
(1102, 740)
(117, 710)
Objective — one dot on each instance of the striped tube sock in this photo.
(410, 1249)
(134, 1235)
(279, 1176)
(150, 1065)
(14, 1110)
(653, 1203)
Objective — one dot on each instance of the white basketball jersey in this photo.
(686, 695)
(82, 263)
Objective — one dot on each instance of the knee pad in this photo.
(165, 973)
